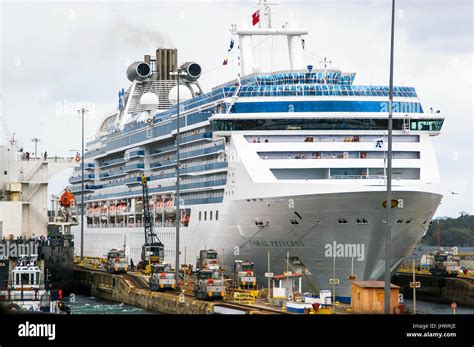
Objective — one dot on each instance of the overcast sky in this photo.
(58, 56)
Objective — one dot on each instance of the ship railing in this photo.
(22, 156)
(356, 177)
(134, 225)
(16, 295)
(287, 88)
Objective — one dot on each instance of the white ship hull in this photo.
(237, 236)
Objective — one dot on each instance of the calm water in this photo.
(91, 305)
(436, 308)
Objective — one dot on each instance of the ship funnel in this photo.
(193, 71)
(139, 71)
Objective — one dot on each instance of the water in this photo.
(91, 305)
(436, 308)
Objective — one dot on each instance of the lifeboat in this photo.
(97, 211)
(121, 208)
(185, 219)
(67, 199)
(113, 209)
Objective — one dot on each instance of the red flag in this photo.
(256, 17)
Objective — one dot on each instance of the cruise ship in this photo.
(288, 163)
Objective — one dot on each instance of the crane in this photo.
(152, 250)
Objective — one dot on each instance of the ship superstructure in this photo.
(280, 161)
(24, 187)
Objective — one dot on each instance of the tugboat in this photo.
(26, 291)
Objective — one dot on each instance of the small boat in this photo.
(298, 307)
(26, 291)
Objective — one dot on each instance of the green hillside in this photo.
(453, 232)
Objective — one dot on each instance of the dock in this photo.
(132, 289)
(458, 289)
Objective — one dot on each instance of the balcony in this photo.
(203, 151)
(76, 179)
(196, 137)
(134, 167)
(161, 150)
(115, 173)
(112, 162)
(162, 164)
(205, 167)
(135, 154)
(188, 186)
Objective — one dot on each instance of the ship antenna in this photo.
(325, 63)
(265, 9)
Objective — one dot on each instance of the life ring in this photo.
(78, 158)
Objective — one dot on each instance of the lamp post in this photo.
(388, 230)
(36, 140)
(82, 111)
(178, 72)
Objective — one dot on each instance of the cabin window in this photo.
(25, 280)
(217, 215)
(199, 215)
(210, 215)
(205, 215)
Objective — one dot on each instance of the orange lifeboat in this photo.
(185, 219)
(67, 199)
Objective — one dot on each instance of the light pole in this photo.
(177, 72)
(388, 205)
(82, 111)
(36, 140)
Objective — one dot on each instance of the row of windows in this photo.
(316, 124)
(303, 77)
(203, 216)
(321, 90)
(359, 221)
(327, 138)
(326, 106)
(337, 155)
(343, 173)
